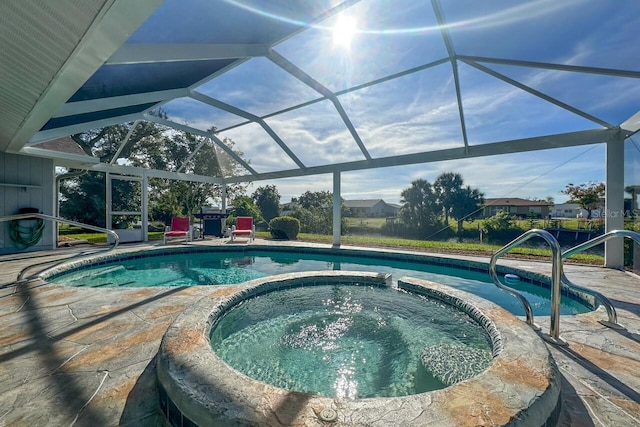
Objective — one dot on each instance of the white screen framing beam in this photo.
(504, 147)
(614, 203)
(140, 53)
(437, 10)
(195, 131)
(296, 72)
(124, 142)
(346, 91)
(538, 94)
(238, 112)
(558, 67)
(113, 102)
(48, 135)
(152, 173)
(337, 211)
(492, 149)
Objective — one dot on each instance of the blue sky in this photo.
(419, 112)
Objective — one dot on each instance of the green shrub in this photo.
(284, 227)
(502, 228)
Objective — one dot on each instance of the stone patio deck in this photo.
(86, 356)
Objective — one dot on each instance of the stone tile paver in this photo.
(75, 356)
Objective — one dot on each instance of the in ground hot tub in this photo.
(344, 348)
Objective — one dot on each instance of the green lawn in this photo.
(439, 246)
(378, 242)
(96, 238)
(373, 223)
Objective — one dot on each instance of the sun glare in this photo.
(343, 31)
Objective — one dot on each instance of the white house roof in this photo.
(268, 76)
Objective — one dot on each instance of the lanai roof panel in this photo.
(228, 21)
(389, 37)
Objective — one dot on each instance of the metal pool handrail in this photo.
(612, 322)
(113, 234)
(556, 279)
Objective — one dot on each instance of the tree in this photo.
(587, 195)
(315, 212)
(419, 206)
(447, 188)
(466, 204)
(83, 200)
(153, 147)
(455, 200)
(267, 199)
(318, 199)
(105, 142)
(244, 206)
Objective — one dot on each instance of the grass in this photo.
(99, 238)
(371, 223)
(440, 247)
(378, 242)
(374, 225)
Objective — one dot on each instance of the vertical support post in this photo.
(337, 204)
(223, 197)
(614, 202)
(107, 198)
(556, 290)
(56, 209)
(145, 207)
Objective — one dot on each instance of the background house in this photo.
(566, 210)
(516, 206)
(573, 210)
(371, 208)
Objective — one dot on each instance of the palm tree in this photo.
(447, 188)
(467, 202)
(418, 205)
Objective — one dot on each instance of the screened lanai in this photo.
(325, 87)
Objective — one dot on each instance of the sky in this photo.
(419, 111)
(494, 176)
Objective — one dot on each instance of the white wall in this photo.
(565, 210)
(572, 210)
(37, 177)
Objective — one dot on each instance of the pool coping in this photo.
(521, 386)
(533, 278)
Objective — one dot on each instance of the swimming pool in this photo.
(193, 266)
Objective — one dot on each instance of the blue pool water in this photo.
(351, 341)
(223, 268)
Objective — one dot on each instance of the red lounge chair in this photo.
(180, 228)
(244, 227)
